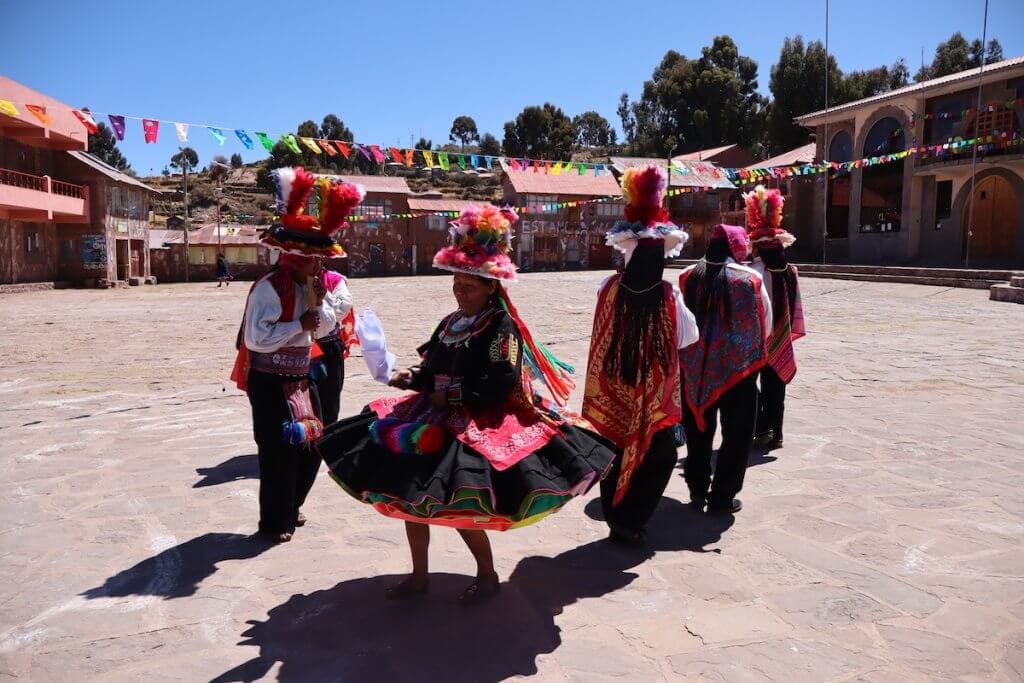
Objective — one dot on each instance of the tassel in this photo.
(555, 374)
(301, 432)
(410, 438)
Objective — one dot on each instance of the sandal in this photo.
(408, 588)
(300, 519)
(482, 588)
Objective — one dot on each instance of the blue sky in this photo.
(393, 70)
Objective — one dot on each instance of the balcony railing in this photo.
(66, 189)
(24, 180)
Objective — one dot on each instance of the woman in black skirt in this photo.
(473, 447)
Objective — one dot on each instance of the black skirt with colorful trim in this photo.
(458, 487)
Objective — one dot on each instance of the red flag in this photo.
(515, 164)
(326, 145)
(396, 155)
(536, 165)
(343, 148)
(87, 121)
(40, 113)
(150, 129)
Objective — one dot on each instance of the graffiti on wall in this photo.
(94, 252)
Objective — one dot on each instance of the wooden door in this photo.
(996, 214)
(378, 259)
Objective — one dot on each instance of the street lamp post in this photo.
(218, 194)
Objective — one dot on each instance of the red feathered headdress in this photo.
(764, 218)
(304, 234)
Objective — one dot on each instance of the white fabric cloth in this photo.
(379, 361)
(264, 331)
(340, 301)
(687, 331)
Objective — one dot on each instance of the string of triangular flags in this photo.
(965, 113)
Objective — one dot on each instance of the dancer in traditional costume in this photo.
(632, 392)
(473, 447)
(769, 241)
(333, 343)
(284, 309)
(719, 372)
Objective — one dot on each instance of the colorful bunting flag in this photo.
(326, 146)
(218, 134)
(378, 155)
(408, 157)
(181, 129)
(343, 148)
(462, 162)
(474, 161)
(7, 107)
(85, 117)
(490, 162)
(442, 159)
(311, 145)
(396, 155)
(547, 167)
(150, 130)
(39, 112)
(582, 169)
(557, 169)
(362, 150)
(117, 124)
(429, 158)
(244, 137)
(265, 140)
(536, 165)
(289, 140)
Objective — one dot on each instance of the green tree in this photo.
(185, 158)
(540, 132)
(956, 54)
(689, 105)
(236, 160)
(857, 85)
(103, 146)
(333, 128)
(593, 130)
(626, 118)
(424, 143)
(464, 131)
(489, 145)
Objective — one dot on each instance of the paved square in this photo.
(885, 543)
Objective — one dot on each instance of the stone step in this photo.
(905, 279)
(1006, 292)
(913, 271)
(1017, 281)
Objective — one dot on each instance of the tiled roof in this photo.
(565, 183)
(384, 184)
(698, 173)
(801, 155)
(991, 70)
(703, 154)
(108, 170)
(434, 204)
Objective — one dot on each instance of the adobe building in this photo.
(917, 210)
(798, 211)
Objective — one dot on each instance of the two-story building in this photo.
(376, 242)
(65, 216)
(920, 209)
(565, 238)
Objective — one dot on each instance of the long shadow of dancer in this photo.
(349, 632)
(178, 571)
(233, 469)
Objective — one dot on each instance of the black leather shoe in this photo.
(763, 439)
(728, 509)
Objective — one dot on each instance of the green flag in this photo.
(289, 140)
(462, 162)
(442, 158)
(265, 140)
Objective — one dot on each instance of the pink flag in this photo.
(150, 129)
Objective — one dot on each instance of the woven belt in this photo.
(288, 361)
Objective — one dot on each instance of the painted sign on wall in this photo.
(94, 251)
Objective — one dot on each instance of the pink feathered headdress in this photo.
(481, 237)
(764, 218)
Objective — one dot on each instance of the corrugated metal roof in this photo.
(698, 173)
(158, 239)
(384, 184)
(703, 154)
(108, 170)
(566, 183)
(232, 235)
(801, 155)
(435, 204)
(995, 71)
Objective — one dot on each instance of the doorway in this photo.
(996, 215)
(377, 259)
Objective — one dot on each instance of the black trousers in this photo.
(287, 472)
(738, 409)
(329, 385)
(772, 403)
(645, 489)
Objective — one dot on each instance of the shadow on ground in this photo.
(178, 571)
(350, 632)
(233, 469)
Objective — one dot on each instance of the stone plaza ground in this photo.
(884, 543)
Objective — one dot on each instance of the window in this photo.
(373, 208)
(841, 148)
(437, 223)
(200, 256)
(838, 214)
(241, 254)
(609, 209)
(125, 202)
(712, 201)
(538, 203)
(67, 249)
(881, 201)
(943, 201)
(31, 241)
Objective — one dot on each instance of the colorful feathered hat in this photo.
(646, 218)
(481, 238)
(297, 232)
(764, 218)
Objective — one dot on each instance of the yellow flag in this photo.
(429, 157)
(7, 107)
(557, 169)
(311, 144)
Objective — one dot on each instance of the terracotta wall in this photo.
(17, 265)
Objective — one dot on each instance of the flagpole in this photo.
(974, 147)
(824, 156)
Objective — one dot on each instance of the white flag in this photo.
(182, 129)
